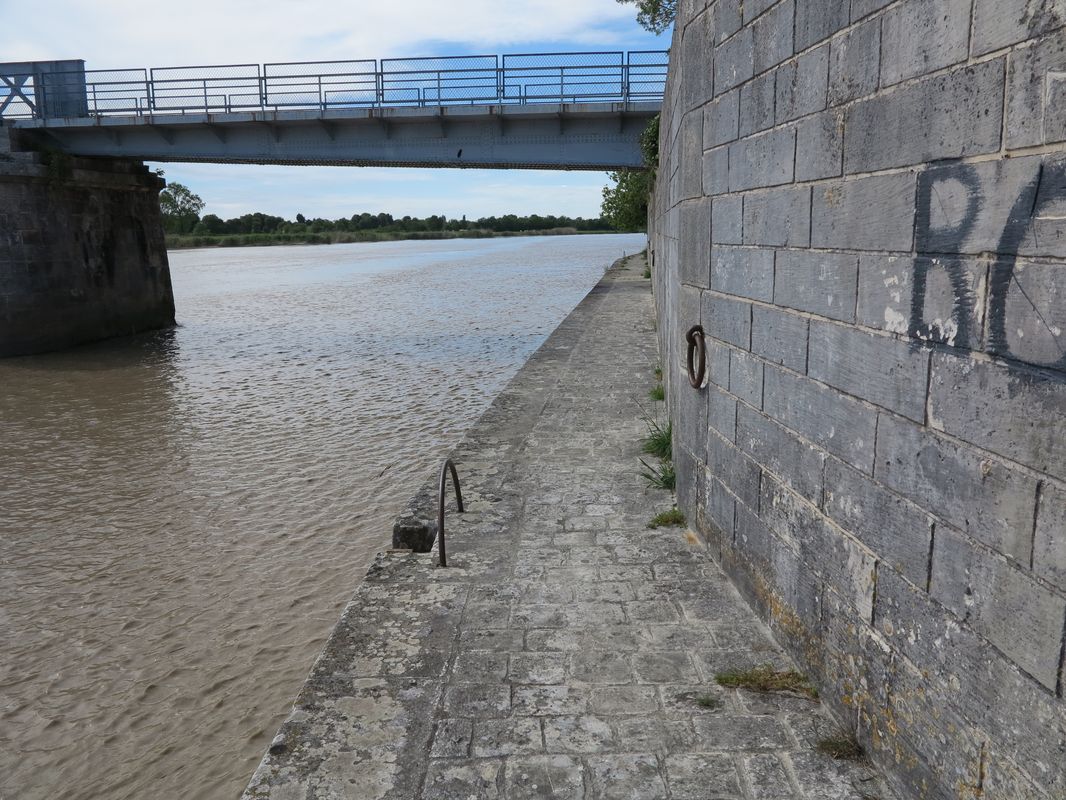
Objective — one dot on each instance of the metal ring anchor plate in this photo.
(698, 348)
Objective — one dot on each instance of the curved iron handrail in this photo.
(694, 337)
(442, 485)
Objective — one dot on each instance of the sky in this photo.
(112, 34)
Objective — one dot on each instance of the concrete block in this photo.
(990, 501)
(727, 18)
(839, 424)
(694, 254)
(795, 463)
(717, 363)
(846, 566)
(986, 208)
(721, 120)
(779, 337)
(754, 8)
(696, 62)
(817, 20)
(855, 63)
(1027, 313)
(767, 159)
(935, 299)
(735, 470)
(727, 220)
(721, 507)
(772, 34)
(757, 104)
(691, 165)
(874, 213)
(887, 372)
(918, 37)
(734, 61)
(1002, 23)
(743, 272)
(802, 85)
(716, 171)
(975, 680)
(897, 531)
(728, 320)
(691, 421)
(821, 283)
(1000, 602)
(745, 377)
(863, 8)
(755, 541)
(690, 481)
(1055, 108)
(722, 413)
(1049, 545)
(778, 217)
(1015, 411)
(950, 115)
(820, 146)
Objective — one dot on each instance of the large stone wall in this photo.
(863, 203)
(82, 255)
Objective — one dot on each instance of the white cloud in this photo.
(133, 33)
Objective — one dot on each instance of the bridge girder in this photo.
(578, 136)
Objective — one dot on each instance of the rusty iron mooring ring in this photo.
(694, 337)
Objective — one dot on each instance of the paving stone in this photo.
(451, 739)
(612, 700)
(550, 700)
(545, 776)
(628, 777)
(538, 667)
(476, 780)
(577, 735)
(716, 732)
(505, 737)
(701, 776)
(601, 666)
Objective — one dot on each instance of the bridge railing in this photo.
(523, 78)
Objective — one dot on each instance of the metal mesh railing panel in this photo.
(444, 80)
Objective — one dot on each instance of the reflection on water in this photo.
(185, 513)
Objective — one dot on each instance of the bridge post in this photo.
(82, 255)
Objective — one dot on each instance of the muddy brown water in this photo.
(184, 514)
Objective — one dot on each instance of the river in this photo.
(184, 514)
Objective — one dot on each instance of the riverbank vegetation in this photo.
(185, 227)
(625, 200)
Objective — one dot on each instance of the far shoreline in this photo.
(222, 241)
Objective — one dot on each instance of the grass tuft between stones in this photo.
(671, 518)
(766, 679)
(708, 701)
(667, 519)
(659, 441)
(658, 393)
(660, 475)
(842, 747)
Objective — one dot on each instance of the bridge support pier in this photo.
(82, 255)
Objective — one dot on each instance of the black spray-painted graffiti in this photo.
(940, 248)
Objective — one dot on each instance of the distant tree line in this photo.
(387, 223)
(181, 216)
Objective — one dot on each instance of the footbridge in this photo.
(529, 110)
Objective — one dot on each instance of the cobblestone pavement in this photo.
(562, 652)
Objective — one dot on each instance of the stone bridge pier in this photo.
(82, 254)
